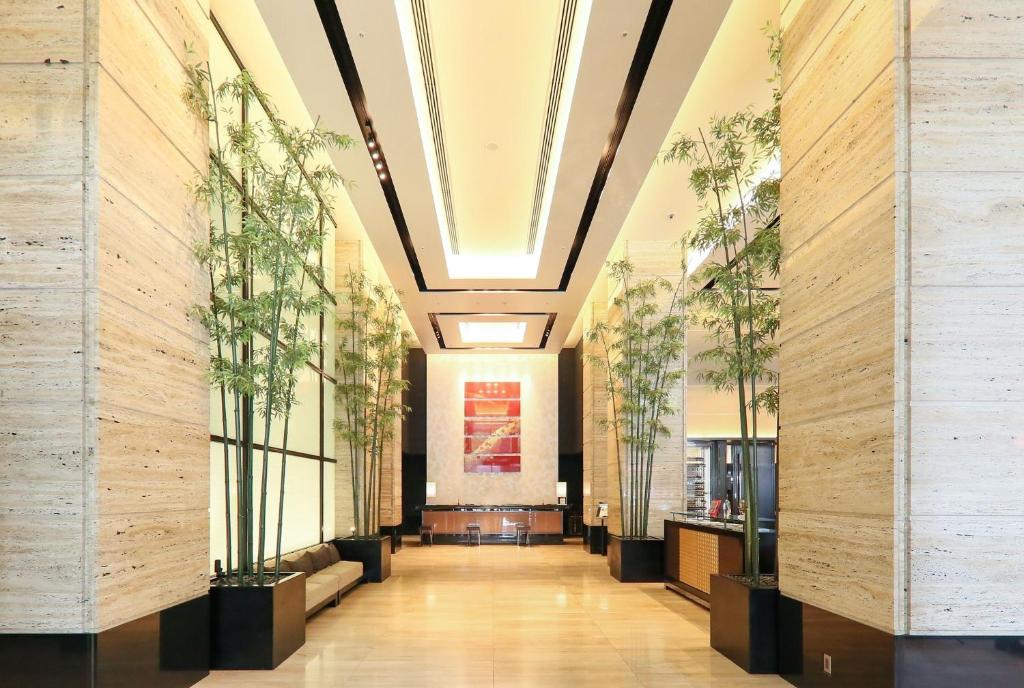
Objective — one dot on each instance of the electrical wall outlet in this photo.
(827, 667)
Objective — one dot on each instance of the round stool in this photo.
(471, 529)
(522, 529)
(427, 535)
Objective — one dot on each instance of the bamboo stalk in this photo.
(232, 332)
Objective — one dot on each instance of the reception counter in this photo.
(497, 522)
(695, 549)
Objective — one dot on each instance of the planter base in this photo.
(636, 560)
(374, 553)
(257, 627)
(395, 533)
(596, 540)
(743, 624)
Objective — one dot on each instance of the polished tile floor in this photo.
(504, 616)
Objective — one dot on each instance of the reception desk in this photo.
(497, 522)
(696, 549)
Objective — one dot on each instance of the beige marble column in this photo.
(595, 411)
(653, 258)
(103, 402)
(902, 382)
(350, 256)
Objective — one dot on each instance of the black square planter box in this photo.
(257, 627)
(636, 560)
(395, 533)
(373, 552)
(596, 540)
(744, 622)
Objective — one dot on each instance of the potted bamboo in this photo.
(739, 229)
(641, 351)
(371, 347)
(262, 256)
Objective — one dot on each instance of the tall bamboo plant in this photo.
(739, 229)
(260, 272)
(371, 347)
(641, 352)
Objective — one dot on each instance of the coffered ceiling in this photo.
(504, 142)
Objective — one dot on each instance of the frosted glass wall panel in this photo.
(328, 512)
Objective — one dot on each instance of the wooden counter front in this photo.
(494, 522)
(694, 553)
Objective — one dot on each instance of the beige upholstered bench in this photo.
(327, 577)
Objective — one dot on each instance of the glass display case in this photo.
(714, 479)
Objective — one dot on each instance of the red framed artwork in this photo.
(491, 427)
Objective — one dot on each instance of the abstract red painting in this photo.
(492, 415)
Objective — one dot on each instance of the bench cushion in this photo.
(347, 572)
(320, 589)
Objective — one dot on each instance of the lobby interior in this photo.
(512, 343)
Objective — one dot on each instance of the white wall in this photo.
(538, 378)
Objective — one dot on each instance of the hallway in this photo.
(504, 616)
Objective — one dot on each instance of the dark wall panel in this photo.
(414, 440)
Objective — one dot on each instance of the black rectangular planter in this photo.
(636, 560)
(373, 552)
(596, 540)
(744, 622)
(257, 627)
(395, 533)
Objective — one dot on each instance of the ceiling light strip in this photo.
(548, 327)
(554, 99)
(425, 49)
(655, 22)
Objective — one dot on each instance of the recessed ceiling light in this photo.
(382, 176)
(379, 166)
(492, 146)
(492, 332)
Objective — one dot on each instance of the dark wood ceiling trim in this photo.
(656, 17)
(331, 21)
(440, 337)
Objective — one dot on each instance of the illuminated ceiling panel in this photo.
(492, 110)
(494, 332)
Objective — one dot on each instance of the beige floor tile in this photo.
(453, 616)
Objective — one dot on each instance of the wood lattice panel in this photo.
(698, 558)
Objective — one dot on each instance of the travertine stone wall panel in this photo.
(966, 114)
(32, 31)
(967, 380)
(817, 286)
(852, 55)
(952, 220)
(103, 365)
(595, 411)
(348, 256)
(152, 353)
(852, 158)
(655, 259)
(839, 474)
(844, 564)
(41, 232)
(922, 270)
(835, 464)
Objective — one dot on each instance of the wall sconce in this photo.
(561, 491)
(431, 490)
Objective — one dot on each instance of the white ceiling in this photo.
(493, 65)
